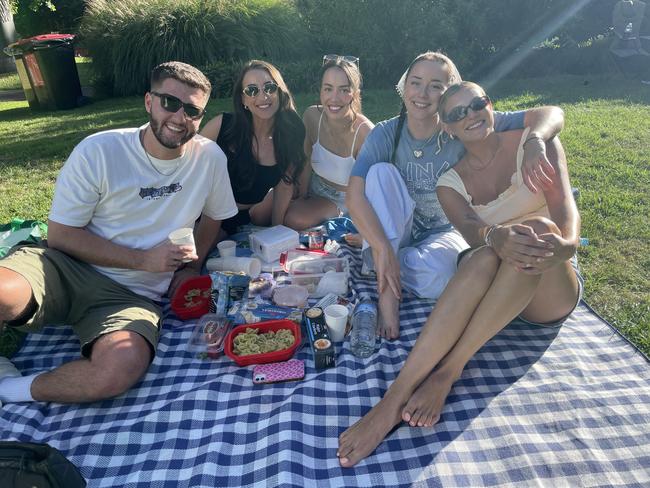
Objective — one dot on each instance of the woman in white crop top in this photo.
(335, 131)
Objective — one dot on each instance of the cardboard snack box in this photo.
(319, 339)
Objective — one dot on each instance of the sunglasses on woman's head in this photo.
(270, 87)
(172, 104)
(332, 58)
(457, 114)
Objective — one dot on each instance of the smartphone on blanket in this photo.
(291, 370)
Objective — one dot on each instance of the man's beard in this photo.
(157, 130)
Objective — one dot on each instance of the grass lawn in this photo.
(12, 82)
(607, 140)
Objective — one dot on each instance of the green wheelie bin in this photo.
(47, 71)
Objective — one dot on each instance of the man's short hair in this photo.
(182, 72)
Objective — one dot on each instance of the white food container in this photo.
(328, 274)
(269, 243)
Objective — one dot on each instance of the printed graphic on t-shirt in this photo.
(421, 178)
(157, 193)
(424, 172)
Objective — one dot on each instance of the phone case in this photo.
(291, 370)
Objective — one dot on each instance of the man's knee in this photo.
(542, 225)
(15, 294)
(120, 360)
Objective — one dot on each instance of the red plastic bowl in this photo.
(267, 357)
(199, 305)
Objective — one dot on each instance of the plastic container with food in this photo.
(263, 328)
(291, 296)
(192, 298)
(320, 275)
(289, 258)
(209, 336)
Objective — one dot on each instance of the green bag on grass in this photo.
(19, 230)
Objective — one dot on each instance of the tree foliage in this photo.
(33, 17)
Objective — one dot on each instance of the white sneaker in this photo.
(7, 368)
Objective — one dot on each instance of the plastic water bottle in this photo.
(364, 325)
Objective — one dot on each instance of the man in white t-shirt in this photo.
(109, 261)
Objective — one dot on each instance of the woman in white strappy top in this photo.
(335, 131)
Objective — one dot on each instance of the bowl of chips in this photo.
(192, 298)
(263, 342)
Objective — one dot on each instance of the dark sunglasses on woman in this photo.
(457, 114)
(270, 87)
(172, 104)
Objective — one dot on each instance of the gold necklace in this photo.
(149, 159)
(489, 162)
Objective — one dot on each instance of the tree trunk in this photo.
(7, 36)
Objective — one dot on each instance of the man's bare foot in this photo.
(354, 240)
(425, 405)
(360, 440)
(388, 320)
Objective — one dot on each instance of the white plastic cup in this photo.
(251, 266)
(183, 237)
(336, 318)
(227, 248)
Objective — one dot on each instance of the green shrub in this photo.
(33, 17)
(387, 34)
(128, 38)
(222, 75)
(590, 59)
(300, 76)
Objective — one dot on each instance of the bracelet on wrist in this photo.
(488, 242)
(532, 138)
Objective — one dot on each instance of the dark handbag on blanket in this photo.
(29, 465)
(19, 230)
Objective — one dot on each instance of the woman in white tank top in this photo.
(335, 131)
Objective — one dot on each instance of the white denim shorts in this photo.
(320, 188)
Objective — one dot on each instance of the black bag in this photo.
(28, 465)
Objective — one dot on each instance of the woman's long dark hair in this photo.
(454, 77)
(288, 132)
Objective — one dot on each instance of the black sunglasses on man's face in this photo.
(172, 104)
(458, 113)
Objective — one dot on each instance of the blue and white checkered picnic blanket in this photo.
(543, 407)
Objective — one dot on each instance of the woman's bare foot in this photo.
(360, 440)
(425, 405)
(354, 240)
(388, 320)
